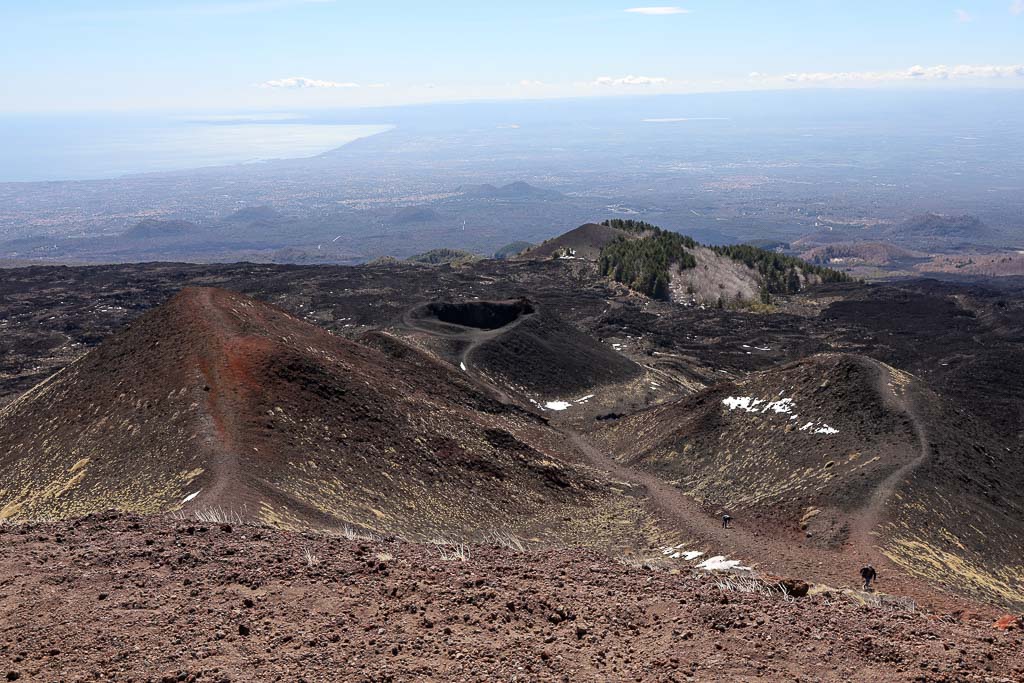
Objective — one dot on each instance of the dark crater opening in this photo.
(483, 315)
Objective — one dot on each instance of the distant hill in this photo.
(415, 214)
(512, 249)
(152, 228)
(667, 265)
(517, 190)
(436, 257)
(585, 242)
(857, 253)
(933, 231)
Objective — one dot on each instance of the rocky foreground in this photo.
(120, 597)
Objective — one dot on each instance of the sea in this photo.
(96, 146)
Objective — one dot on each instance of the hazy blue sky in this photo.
(280, 54)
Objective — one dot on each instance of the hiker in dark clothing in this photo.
(869, 574)
(725, 521)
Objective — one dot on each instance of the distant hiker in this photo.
(868, 573)
(725, 521)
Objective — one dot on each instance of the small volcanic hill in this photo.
(436, 257)
(585, 242)
(843, 453)
(937, 232)
(523, 348)
(856, 253)
(217, 400)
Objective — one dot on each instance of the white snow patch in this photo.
(583, 399)
(783, 406)
(718, 563)
(556, 405)
(757, 405)
(191, 496)
(463, 366)
(676, 552)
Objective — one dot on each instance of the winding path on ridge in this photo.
(768, 554)
(864, 528)
(678, 511)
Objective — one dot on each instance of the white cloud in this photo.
(661, 11)
(964, 17)
(630, 80)
(525, 83)
(300, 82)
(1017, 7)
(914, 73)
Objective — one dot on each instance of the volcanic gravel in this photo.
(120, 597)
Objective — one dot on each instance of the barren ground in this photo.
(118, 597)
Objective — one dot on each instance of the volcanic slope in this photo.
(842, 454)
(217, 400)
(584, 242)
(520, 347)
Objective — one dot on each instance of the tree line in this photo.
(643, 264)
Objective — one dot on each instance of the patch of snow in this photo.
(463, 366)
(583, 399)
(757, 405)
(556, 405)
(783, 406)
(191, 496)
(718, 563)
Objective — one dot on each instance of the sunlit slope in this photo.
(218, 400)
(845, 453)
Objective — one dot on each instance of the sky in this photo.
(274, 55)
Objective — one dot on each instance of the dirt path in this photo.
(225, 471)
(677, 511)
(864, 528)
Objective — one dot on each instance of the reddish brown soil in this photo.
(217, 400)
(119, 597)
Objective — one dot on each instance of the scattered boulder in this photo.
(795, 587)
(1008, 622)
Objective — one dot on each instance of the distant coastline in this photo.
(96, 148)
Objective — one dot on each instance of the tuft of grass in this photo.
(504, 539)
(385, 557)
(451, 551)
(311, 559)
(350, 533)
(742, 583)
(210, 515)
